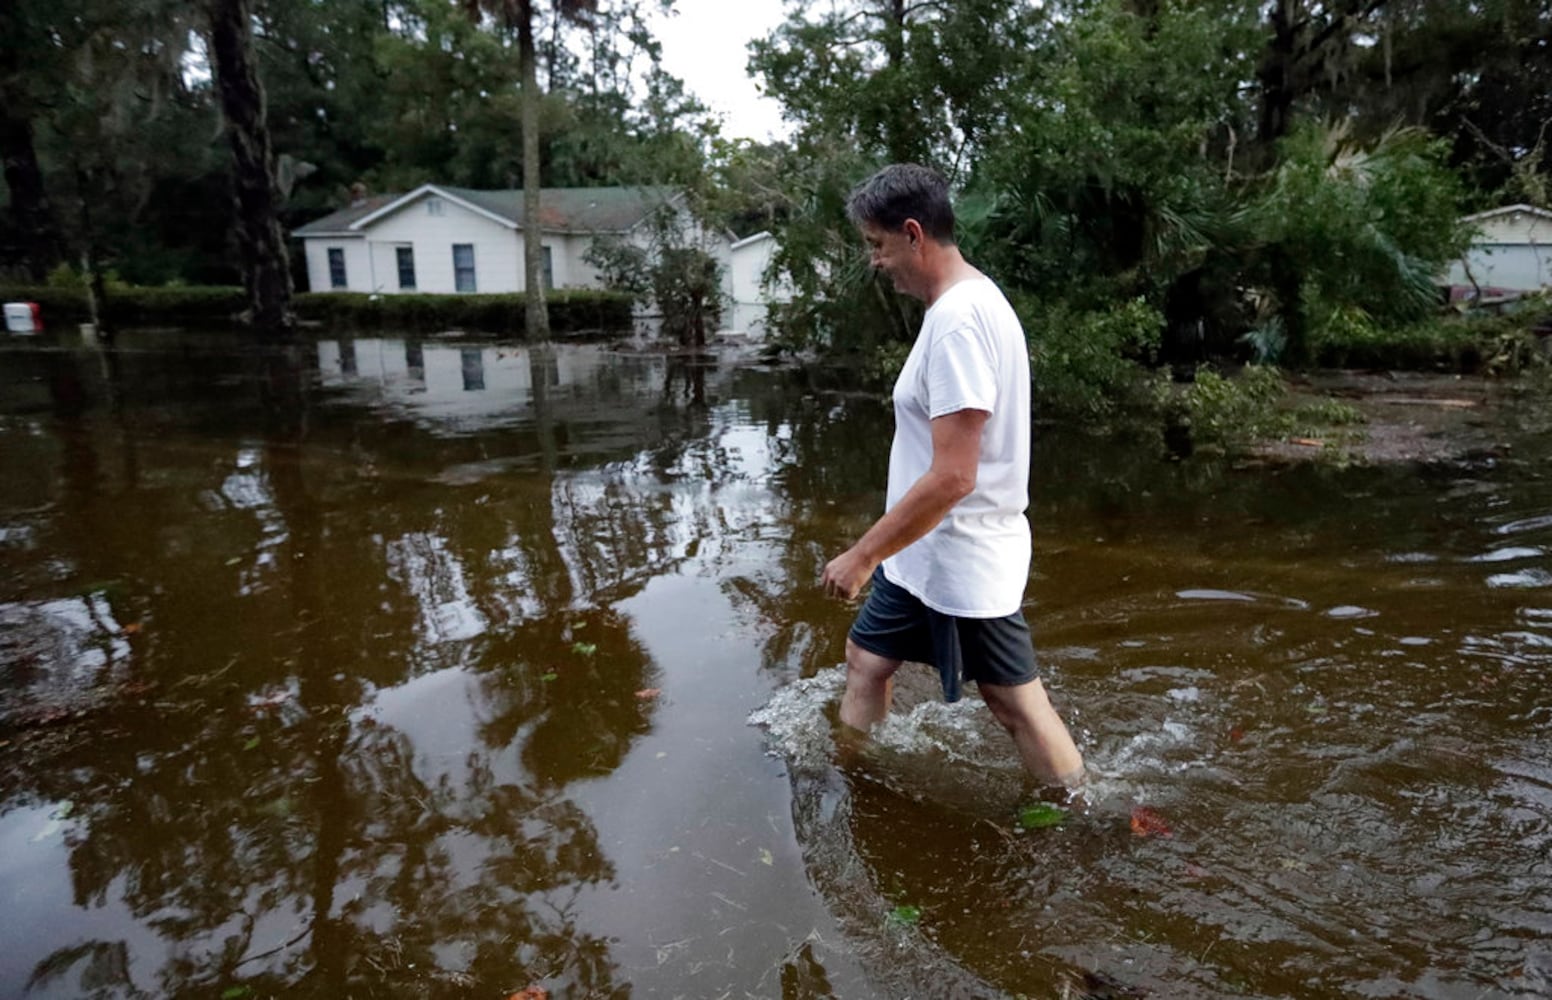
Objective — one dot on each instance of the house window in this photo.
(337, 267)
(406, 257)
(435, 206)
(549, 267)
(463, 267)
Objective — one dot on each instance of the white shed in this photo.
(1511, 251)
(749, 293)
(444, 239)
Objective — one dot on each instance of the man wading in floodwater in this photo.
(950, 557)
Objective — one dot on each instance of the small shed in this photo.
(1511, 253)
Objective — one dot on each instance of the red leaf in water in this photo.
(531, 993)
(1147, 823)
(1236, 734)
(647, 694)
(132, 628)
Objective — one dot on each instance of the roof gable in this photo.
(569, 210)
(339, 222)
(1494, 213)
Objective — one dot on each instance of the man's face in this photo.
(892, 252)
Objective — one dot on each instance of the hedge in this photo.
(132, 305)
(570, 311)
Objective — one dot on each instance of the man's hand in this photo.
(846, 574)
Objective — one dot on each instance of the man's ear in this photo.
(913, 231)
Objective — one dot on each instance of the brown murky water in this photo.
(396, 668)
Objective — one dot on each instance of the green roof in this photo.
(588, 210)
(339, 221)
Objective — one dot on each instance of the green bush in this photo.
(1487, 344)
(1087, 364)
(1231, 413)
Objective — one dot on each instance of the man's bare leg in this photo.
(1044, 744)
(869, 687)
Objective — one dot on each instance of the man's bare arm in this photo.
(956, 456)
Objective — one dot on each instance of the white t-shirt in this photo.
(970, 354)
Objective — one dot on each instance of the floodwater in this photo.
(387, 668)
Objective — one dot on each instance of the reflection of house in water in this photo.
(459, 382)
(603, 403)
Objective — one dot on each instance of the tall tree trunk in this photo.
(901, 123)
(1275, 75)
(266, 272)
(29, 202)
(536, 310)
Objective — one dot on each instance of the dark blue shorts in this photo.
(897, 626)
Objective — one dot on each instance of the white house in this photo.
(1511, 251)
(448, 239)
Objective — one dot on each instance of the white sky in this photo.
(704, 44)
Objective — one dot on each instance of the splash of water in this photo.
(794, 719)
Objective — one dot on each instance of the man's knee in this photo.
(867, 666)
(1015, 706)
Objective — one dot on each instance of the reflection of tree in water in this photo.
(568, 692)
(273, 834)
(255, 815)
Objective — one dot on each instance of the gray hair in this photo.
(904, 191)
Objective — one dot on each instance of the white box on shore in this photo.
(23, 317)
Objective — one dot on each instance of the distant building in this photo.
(1511, 253)
(441, 239)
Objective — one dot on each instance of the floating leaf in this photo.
(549, 676)
(647, 694)
(1236, 734)
(1148, 823)
(905, 915)
(584, 648)
(252, 744)
(1041, 815)
(236, 992)
(132, 628)
(766, 857)
(531, 993)
(279, 808)
(233, 562)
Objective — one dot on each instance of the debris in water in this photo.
(904, 915)
(1041, 815)
(647, 694)
(1098, 986)
(584, 648)
(1148, 823)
